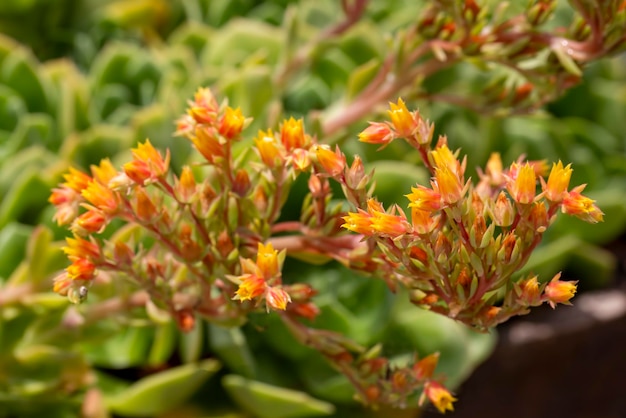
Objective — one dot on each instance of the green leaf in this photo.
(231, 347)
(164, 344)
(267, 401)
(19, 70)
(13, 238)
(37, 253)
(127, 348)
(163, 391)
(25, 200)
(12, 107)
(361, 77)
(240, 39)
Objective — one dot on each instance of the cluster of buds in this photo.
(462, 244)
(211, 242)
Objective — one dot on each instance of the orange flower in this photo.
(377, 133)
(523, 185)
(444, 158)
(137, 171)
(81, 269)
(558, 182)
(359, 222)
(268, 149)
(332, 162)
(66, 202)
(440, 397)
(232, 123)
(503, 212)
(101, 197)
(559, 292)
(581, 206)
(292, 134)
(422, 221)
(402, 120)
(62, 284)
(529, 291)
(449, 185)
(186, 185)
(250, 288)
(301, 159)
(388, 224)
(425, 368)
(204, 107)
(92, 221)
(267, 261)
(81, 248)
(145, 153)
(208, 144)
(104, 171)
(144, 207)
(425, 199)
(277, 298)
(76, 180)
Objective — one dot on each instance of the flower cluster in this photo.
(210, 241)
(462, 242)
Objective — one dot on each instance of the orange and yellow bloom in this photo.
(557, 184)
(581, 206)
(439, 396)
(402, 120)
(523, 184)
(558, 291)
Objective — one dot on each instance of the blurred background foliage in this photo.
(82, 80)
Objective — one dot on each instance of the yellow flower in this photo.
(101, 197)
(104, 171)
(80, 248)
(443, 157)
(558, 182)
(559, 292)
(208, 144)
(267, 261)
(440, 397)
(422, 221)
(388, 224)
(449, 185)
(292, 134)
(523, 184)
(376, 133)
(360, 222)
(76, 180)
(402, 120)
(332, 162)
(232, 123)
(424, 198)
(277, 298)
(268, 149)
(251, 287)
(581, 206)
(145, 153)
(529, 291)
(81, 269)
(186, 185)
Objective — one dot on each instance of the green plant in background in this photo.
(296, 63)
